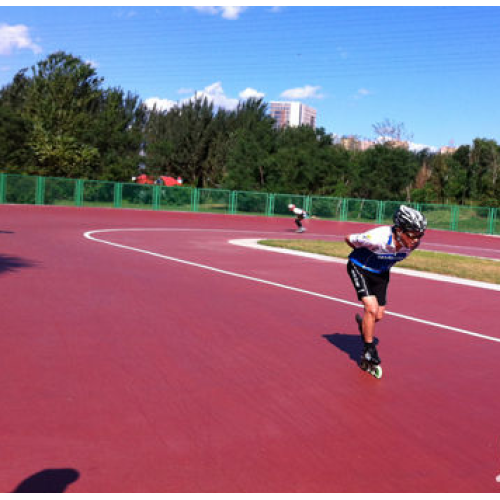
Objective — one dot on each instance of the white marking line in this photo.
(89, 236)
(253, 243)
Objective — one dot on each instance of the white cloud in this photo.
(362, 93)
(92, 63)
(161, 104)
(232, 12)
(213, 93)
(16, 37)
(307, 92)
(183, 90)
(226, 12)
(343, 54)
(125, 14)
(249, 93)
(421, 147)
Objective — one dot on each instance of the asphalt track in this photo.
(172, 361)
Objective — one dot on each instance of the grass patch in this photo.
(471, 268)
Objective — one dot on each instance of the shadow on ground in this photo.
(350, 344)
(48, 481)
(10, 263)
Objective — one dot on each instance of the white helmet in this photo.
(291, 206)
(409, 219)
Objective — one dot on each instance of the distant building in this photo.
(350, 143)
(398, 144)
(447, 150)
(292, 114)
(366, 144)
(353, 143)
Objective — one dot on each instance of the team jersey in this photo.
(300, 212)
(376, 250)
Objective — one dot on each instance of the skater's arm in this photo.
(347, 239)
(370, 239)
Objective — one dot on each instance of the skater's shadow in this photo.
(350, 344)
(10, 263)
(48, 481)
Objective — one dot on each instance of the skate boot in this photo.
(370, 361)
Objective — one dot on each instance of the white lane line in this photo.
(89, 235)
(253, 243)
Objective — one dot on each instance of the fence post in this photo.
(39, 192)
(79, 193)
(156, 196)
(343, 216)
(491, 220)
(455, 214)
(3, 179)
(307, 204)
(117, 195)
(380, 211)
(270, 211)
(232, 202)
(195, 199)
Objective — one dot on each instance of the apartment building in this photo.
(292, 114)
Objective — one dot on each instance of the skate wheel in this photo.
(377, 371)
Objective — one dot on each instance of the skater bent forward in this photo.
(301, 215)
(374, 253)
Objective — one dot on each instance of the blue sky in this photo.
(435, 69)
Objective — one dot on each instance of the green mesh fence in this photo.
(495, 222)
(60, 191)
(438, 216)
(20, 189)
(387, 209)
(23, 189)
(472, 219)
(251, 203)
(213, 200)
(137, 196)
(176, 198)
(327, 208)
(98, 194)
(362, 210)
(281, 202)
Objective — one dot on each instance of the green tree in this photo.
(251, 140)
(385, 173)
(66, 124)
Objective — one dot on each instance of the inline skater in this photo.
(374, 253)
(301, 215)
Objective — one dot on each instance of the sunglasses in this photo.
(414, 235)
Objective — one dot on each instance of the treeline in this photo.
(58, 119)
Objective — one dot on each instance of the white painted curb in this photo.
(254, 243)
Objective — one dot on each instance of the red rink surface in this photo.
(127, 372)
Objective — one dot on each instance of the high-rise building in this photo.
(292, 114)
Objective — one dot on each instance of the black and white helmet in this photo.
(409, 219)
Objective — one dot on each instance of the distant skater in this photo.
(374, 253)
(301, 215)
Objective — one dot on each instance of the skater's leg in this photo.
(373, 314)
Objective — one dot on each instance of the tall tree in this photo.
(390, 131)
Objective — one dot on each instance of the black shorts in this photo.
(367, 284)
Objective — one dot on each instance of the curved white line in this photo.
(89, 235)
(253, 243)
